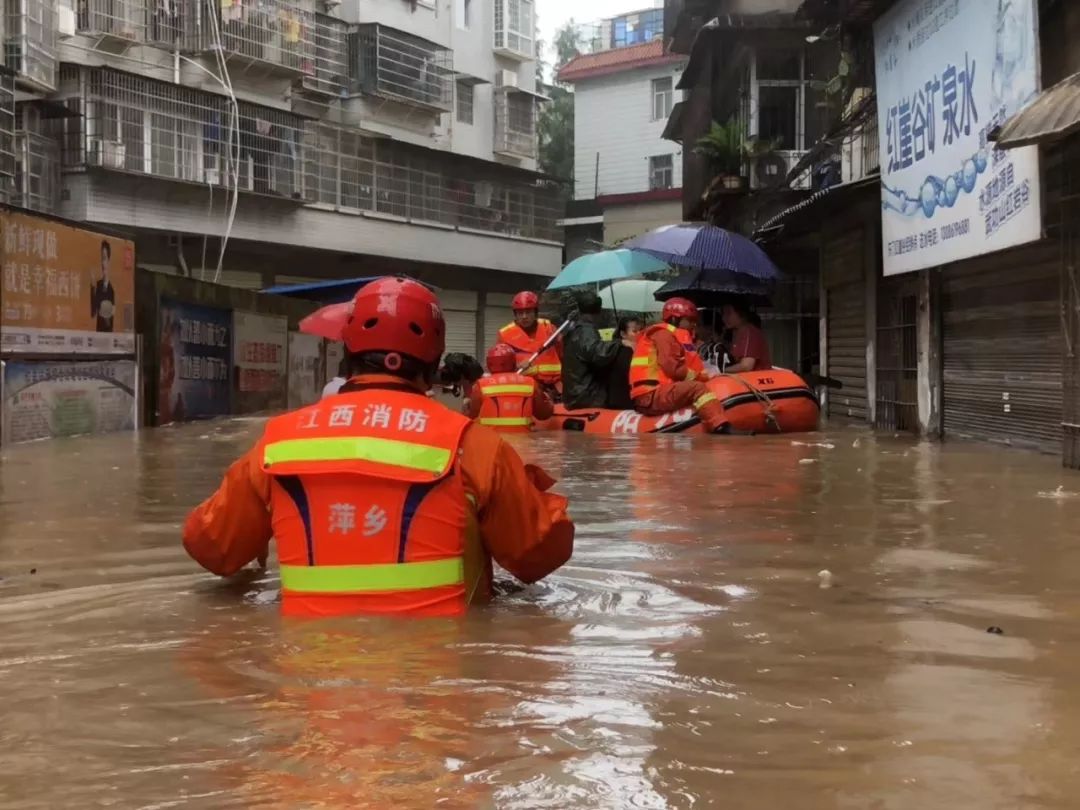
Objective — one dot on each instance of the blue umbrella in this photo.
(706, 247)
(607, 265)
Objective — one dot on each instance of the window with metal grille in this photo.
(661, 172)
(401, 67)
(663, 98)
(514, 27)
(465, 103)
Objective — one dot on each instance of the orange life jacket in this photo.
(368, 506)
(508, 402)
(547, 368)
(645, 371)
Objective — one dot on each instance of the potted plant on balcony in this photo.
(722, 148)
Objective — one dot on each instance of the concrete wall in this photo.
(166, 207)
(613, 118)
(625, 221)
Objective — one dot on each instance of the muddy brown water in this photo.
(687, 657)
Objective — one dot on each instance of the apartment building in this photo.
(624, 92)
(326, 139)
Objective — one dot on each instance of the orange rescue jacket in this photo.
(647, 367)
(547, 368)
(509, 402)
(382, 500)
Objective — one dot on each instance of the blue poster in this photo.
(194, 367)
(948, 73)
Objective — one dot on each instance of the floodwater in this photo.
(687, 657)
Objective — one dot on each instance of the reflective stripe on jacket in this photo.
(508, 402)
(645, 370)
(547, 367)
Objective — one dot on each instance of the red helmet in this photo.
(396, 315)
(501, 359)
(679, 308)
(525, 300)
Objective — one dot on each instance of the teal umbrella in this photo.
(607, 265)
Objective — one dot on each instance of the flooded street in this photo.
(688, 656)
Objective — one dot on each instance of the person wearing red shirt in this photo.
(749, 347)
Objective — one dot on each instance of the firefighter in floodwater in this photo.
(666, 372)
(527, 335)
(505, 400)
(383, 500)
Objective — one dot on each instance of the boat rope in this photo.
(766, 403)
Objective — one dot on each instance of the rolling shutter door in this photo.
(1002, 349)
(845, 290)
(497, 314)
(460, 312)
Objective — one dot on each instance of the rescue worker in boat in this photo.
(383, 500)
(587, 357)
(505, 400)
(666, 372)
(527, 334)
(749, 349)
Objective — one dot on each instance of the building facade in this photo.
(945, 272)
(321, 139)
(624, 92)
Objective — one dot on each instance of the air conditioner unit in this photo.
(771, 171)
(105, 153)
(506, 79)
(65, 22)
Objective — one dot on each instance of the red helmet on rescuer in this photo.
(396, 315)
(525, 300)
(501, 359)
(679, 308)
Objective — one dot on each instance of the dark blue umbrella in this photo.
(713, 288)
(701, 246)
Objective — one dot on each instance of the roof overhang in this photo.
(1053, 115)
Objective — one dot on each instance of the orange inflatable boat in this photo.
(776, 401)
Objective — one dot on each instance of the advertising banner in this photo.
(66, 290)
(195, 352)
(305, 369)
(948, 73)
(259, 354)
(48, 399)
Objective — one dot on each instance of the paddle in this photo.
(547, 344)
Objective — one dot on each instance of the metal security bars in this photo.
(400, 67)
(352, 173)
(7, 134)
(275, 35)
(123, 20)
(514, 26)
(515, 123)
(37, 172)
(328, 72)
(129, 123)
(30, 42)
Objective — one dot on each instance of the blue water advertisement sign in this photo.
(948, 73)
(195, 354)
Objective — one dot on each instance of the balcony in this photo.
(348, 172)
(270, 37)
(400, 67)
(327, 73)
(114, 25)
(515, 123)
(37, 172)
(515, 22)
(127, 123)
(30, 43)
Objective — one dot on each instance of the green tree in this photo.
(556, 124)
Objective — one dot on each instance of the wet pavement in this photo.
(691, 655)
